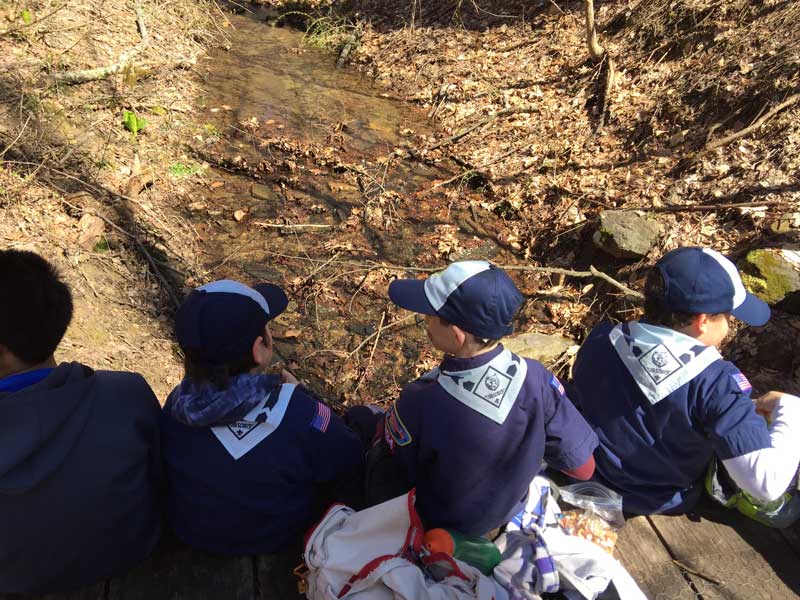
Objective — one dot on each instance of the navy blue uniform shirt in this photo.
(471, 472)
(656, 453)
(259, 502)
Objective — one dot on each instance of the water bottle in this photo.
(475, 551)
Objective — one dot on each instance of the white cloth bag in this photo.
(376, 554)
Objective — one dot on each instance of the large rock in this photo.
(541, 347)
(773, 274)
(626, 234)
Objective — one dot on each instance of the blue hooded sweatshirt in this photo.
(79, 473)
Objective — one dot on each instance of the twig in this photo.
(292, 225)
(683, 567)
(73, 77)
(488, 119)
(714, 207)
(747, 130)
(592, 272)
(374, 333)
(372, 353)
(474, 171)
(16, 139)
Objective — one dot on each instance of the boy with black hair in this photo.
(247, 454)
(472, 434)
(665, 404)
(79, 449)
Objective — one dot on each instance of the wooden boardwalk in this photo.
(715, 555)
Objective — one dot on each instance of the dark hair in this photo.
(484, 342)
(655, 309)
(35, 306)
(217, 375)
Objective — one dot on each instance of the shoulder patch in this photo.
(396, 432)
(557, 386)
(741, 382)
(322, 417)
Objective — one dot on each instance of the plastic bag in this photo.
(601, 516)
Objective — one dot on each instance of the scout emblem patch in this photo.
(490, 389)
(395, 430)
(241, 436)
(741, 382)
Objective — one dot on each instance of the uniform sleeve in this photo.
(401, 437)
(336, 450)
(569, 440)
(729, 417)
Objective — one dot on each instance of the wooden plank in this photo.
(274, 579)
(176, 572)
(745, 559)
(93, 592)
(641, 552)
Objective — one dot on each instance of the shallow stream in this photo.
(310, 194)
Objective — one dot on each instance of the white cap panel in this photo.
(439, 286)
(228, 286)
(739, 293)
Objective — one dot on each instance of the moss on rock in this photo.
(772, 274)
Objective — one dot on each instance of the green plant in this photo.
(133, 122)
(26, 17)
(184, 170)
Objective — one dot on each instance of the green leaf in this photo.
(26, 17)
(133, 122)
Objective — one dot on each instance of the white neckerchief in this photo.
(490, 389)
(660, 359)
(241, 436)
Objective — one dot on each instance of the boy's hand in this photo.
(287, 377)
(765, 405)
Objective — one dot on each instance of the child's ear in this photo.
(459, 335)
(699, 323)
(262, 348)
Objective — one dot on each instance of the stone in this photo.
(773, 274)
(263, 192)
(626, 234)
(539, 346)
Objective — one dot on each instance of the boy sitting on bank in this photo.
(246, 453)
(472, 434)
(80, 468)
(664, 403)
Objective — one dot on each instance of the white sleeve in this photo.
(765, 474)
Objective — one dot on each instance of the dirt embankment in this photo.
(80, 187)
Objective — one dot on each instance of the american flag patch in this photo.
(322, 418)
(556, 385)
(741, 382)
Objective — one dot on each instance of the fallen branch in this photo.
(74, 77)
(716, 207)
(747, 130)
(292, 225)
(372, 353)
(592, 272)
(475, 171)
(488, 119)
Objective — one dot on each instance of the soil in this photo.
(261, 160)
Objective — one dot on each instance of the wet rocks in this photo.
(626, 234)
(773, 274)
(539, 346)
(263, 192)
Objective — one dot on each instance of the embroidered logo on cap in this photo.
(396, 429)
(659, 363)
(741, 382)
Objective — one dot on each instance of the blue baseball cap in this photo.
(475, 295)
(218, 322)
(701, 280)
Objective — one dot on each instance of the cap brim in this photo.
(753, 311)
(275, 297)
(410, 294)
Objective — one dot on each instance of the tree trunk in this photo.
(596, 51)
